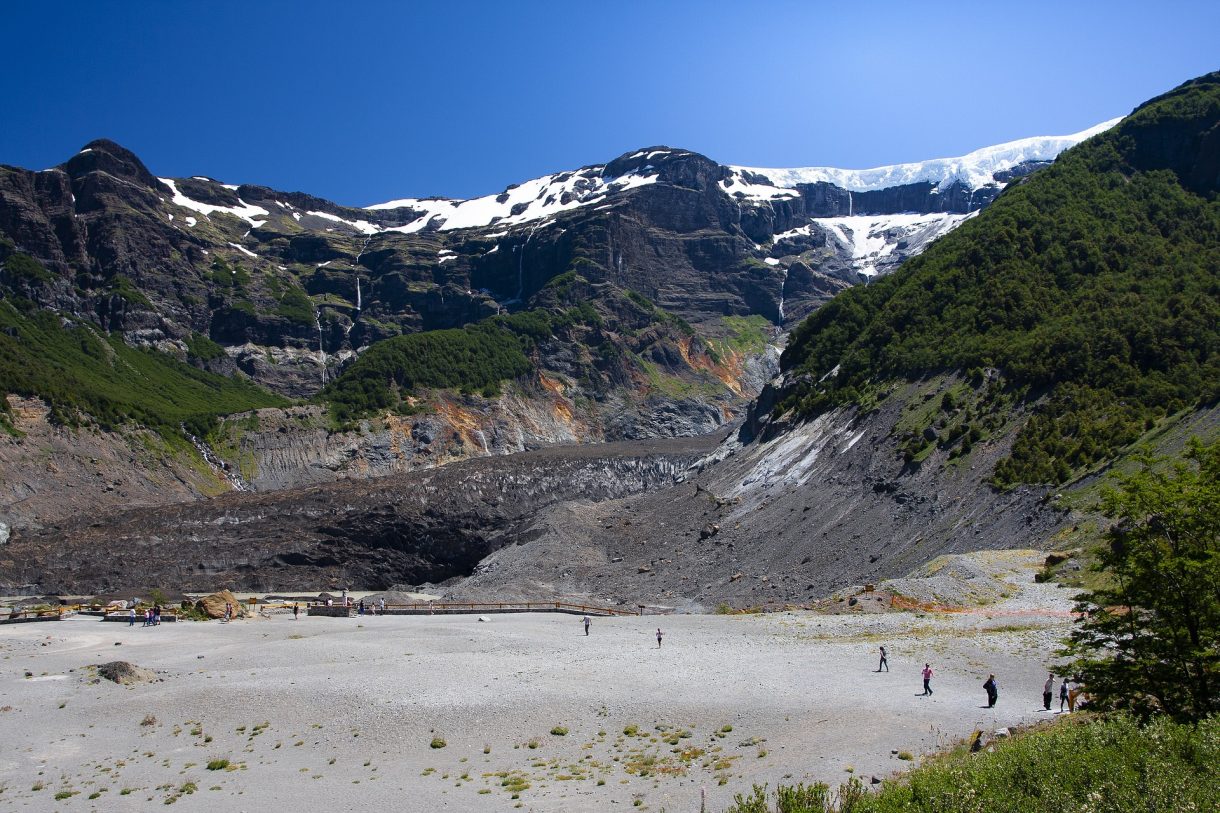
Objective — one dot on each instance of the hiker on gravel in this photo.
(993, 692)
(360, 608)
(148, 617)
(658, 637)
(156, 615)
(884, 661)
(131, 616)
(296, 612)
(228, 611)
(381, 604)
(1064, 691)
(586, 621)
(1048, 691)
(927, 679)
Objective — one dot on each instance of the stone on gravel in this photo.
(126, 674)
(214, 605)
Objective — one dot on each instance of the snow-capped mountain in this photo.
(976, 169)
(293, 286)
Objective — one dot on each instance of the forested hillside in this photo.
(1089, 293)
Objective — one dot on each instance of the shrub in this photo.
(218, 764)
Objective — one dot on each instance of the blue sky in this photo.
(362, 102)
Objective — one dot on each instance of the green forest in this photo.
(85, 375)
(1093, 287)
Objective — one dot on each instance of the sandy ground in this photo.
(340, 713)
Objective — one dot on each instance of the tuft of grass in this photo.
(438, 742)
(559, 731)
(218, 764)
(906, 755)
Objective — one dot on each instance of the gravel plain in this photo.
(327, 713)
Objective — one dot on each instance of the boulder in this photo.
(126, 674)
(213, 606)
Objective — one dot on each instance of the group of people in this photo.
(587, 622)
(152, 615)
(1068, 688)
(373, 608)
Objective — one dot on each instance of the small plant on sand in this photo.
(631, 730)
(438, 742)
(218, 764)
(906, 755)
(559, 731)
(149, 720)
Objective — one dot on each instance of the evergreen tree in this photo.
(1150, 640)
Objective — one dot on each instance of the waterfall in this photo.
(363, 248)
(970, 203)
(218, 466)
(783, 283)
(483, 438)
(521, 266)
(850, 204)
(358, 303)
(317, 323)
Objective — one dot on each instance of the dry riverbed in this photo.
(344, 713)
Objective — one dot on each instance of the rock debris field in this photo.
(523, 711)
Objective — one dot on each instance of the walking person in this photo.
(586, 621)
(156, 615)
(360, 608)
(1064, 691)
(131, 616)
(1048, 691)
(993, 692)
(884, 661)
(927, 679)
(296, 612)
(228, 611)
(658, 637)
(148, 617)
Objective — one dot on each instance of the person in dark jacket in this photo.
(992, 690)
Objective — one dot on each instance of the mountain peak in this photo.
(104, 155)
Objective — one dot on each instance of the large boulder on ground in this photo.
(126, 674)
(213, 606)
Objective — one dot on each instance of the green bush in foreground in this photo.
(1102, 765)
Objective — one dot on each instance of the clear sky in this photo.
(362, 102)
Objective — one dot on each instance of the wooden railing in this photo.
(461, 607)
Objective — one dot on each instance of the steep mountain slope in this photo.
(1084, 305)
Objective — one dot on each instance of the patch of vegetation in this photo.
(559, 731)
(26, 268)
(201, 347)
(438, 742)
(296, 306)
(122, 287)
(85, 374)
(747, 334)
(470, 359)
(218, 764)
(1090, 286)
